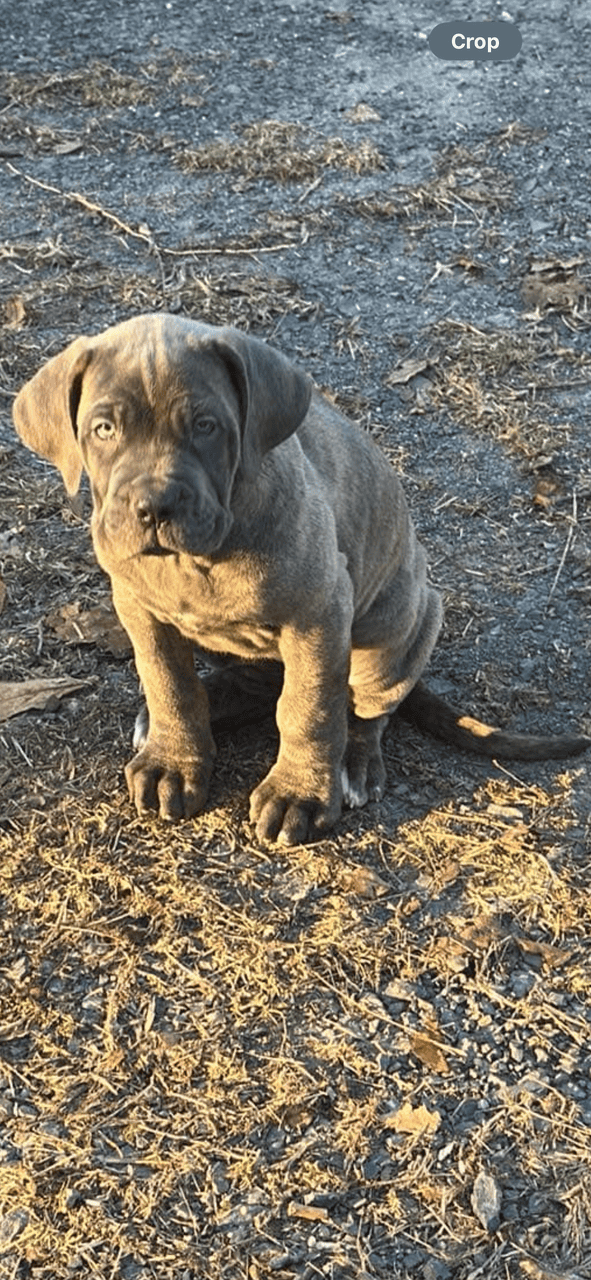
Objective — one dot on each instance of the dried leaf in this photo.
(362, 112)
(14, 312)
(507, 812)
(449, 955)
(554, 283)
(486, 1201)
(427, 1049)
(549, 266)
(397, 989)
(552, 956)
(413, 1120)
(98, 626)
(150, 1015)
(547, 489)
(531, 1268)
(362, 881)
(2, 594)
(35, 695)
(297, 1116)
(468, 265)
(69, 147)
(481, 933)
(406, 371)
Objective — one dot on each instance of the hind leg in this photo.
(386, 660)
(363, 772)
(242, 692)
(239, 693)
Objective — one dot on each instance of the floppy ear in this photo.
(274, 395)
(44, 411)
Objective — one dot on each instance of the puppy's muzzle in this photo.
(168, 516)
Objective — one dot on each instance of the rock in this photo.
(486, 1201)
(12, 1224)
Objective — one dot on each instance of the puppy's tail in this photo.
(432, 714)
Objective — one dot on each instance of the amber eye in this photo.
(105, 430)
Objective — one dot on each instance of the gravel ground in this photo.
(368, 1058)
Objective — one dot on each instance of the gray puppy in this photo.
(236, 511)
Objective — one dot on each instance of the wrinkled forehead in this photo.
(151, 362)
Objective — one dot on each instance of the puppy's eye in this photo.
(105, 430)
(204, 426)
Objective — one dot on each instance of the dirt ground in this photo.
(370, 1057)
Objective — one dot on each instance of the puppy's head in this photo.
(164, 414)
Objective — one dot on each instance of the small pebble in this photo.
(486, 1201)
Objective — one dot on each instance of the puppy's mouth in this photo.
(156, 549)
(166, 540)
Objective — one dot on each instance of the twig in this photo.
(569, 538)
(196, 251)
(312, 187)
(91, 206)
(77, 198)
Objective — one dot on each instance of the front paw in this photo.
(173, 786)
(291, 809)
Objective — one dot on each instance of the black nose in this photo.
(153, 508)
(145, 512)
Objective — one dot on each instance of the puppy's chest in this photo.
(221, 608)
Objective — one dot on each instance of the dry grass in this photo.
(242, 298)
(497, 381)
(443, 197)
(278, 151)
(98, 84)
(59, 282)
(211, 1045)
(464, 189)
